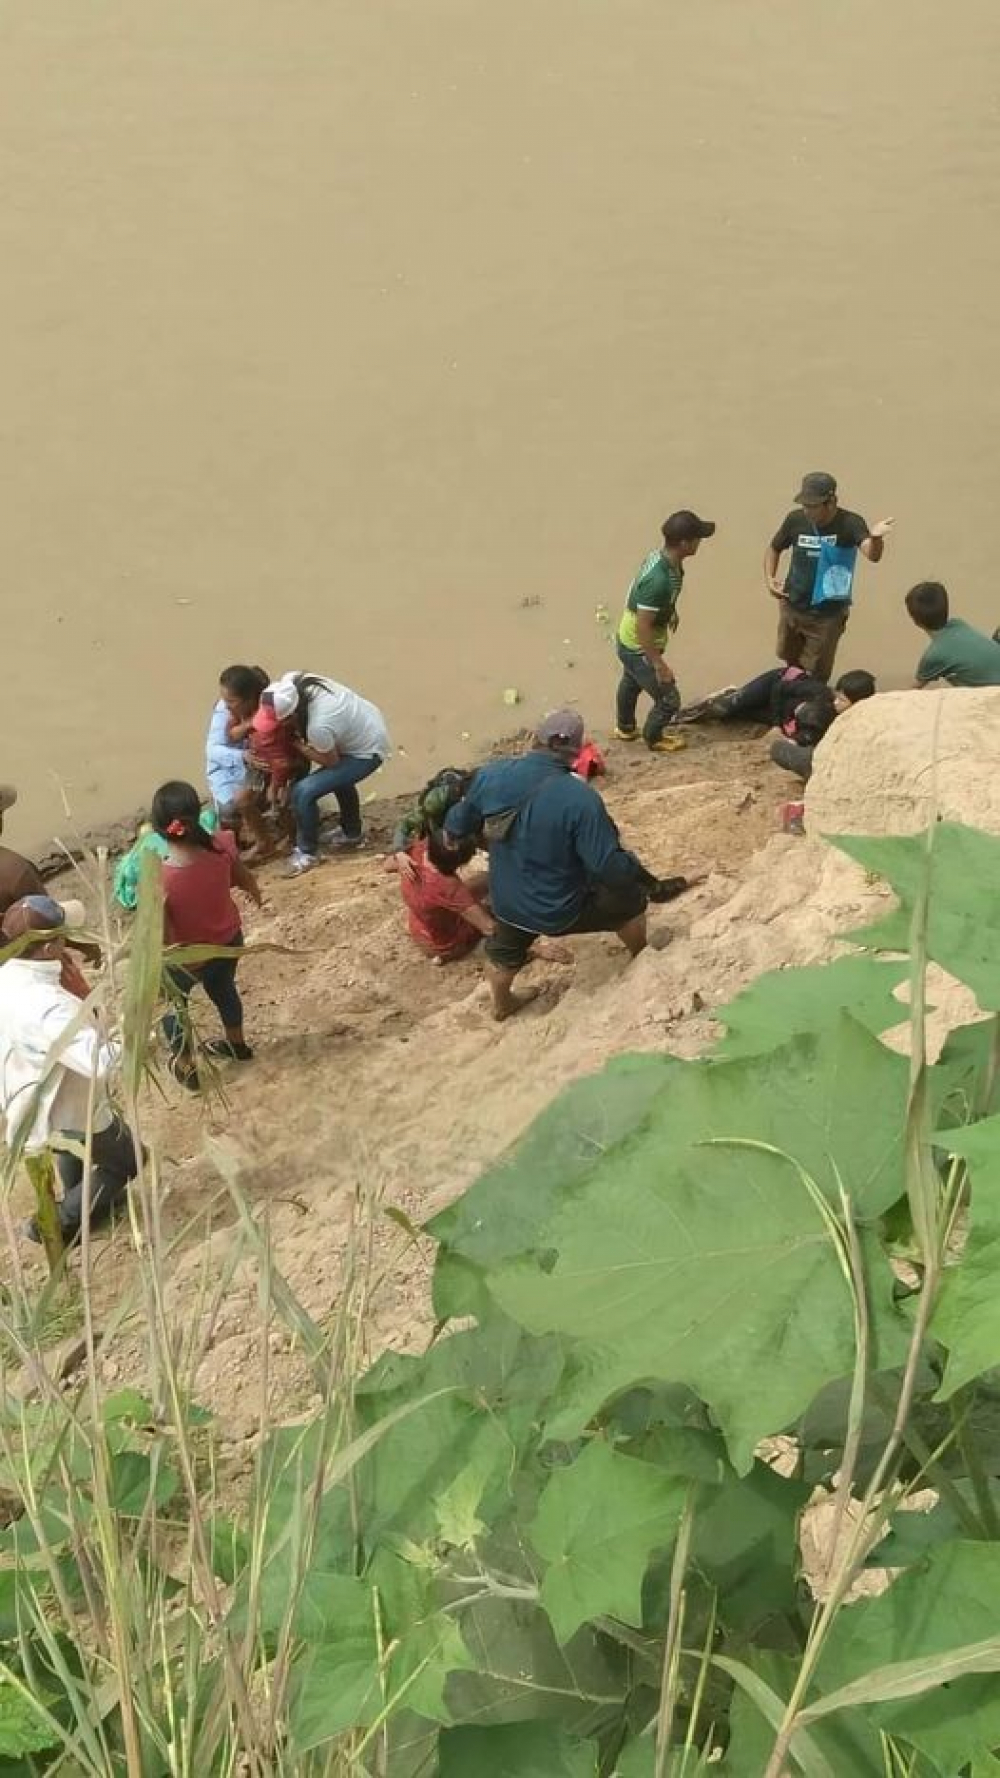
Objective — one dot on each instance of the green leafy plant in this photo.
(696, 1474)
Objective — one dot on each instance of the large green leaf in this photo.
(498, 1380)
(961, 872)
(638, 1760)
(944, 1604)
(521, 1674)
(24, 1728)
(406, 1747)
(341, 1682)
(712, 1265)
(598, 1523)
(787, 1002)
(850, 1746)
(967, 1317)
(519, 1750)
(745, 1543)
(469, 1396)
(499, 1215)
(960, 1078)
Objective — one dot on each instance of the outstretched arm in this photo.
(874, 544)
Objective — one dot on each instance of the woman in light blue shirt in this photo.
(226, 767)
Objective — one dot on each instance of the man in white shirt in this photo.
(345, 739)
(54, 1067)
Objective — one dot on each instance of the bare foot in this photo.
(512, 1003)
(549, 950)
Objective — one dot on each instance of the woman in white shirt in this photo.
(344, 738)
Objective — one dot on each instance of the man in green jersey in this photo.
(956, 654)
(650, 616)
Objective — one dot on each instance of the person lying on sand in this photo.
(771, 697)
(557, 865)
(795, 703)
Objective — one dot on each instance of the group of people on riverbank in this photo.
(277, 748)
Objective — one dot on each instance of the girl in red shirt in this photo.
(200, 872)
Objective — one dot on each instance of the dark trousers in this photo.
(752, 701)
(638, 676)
(793, 758)
(113, 1167)
(218, 978)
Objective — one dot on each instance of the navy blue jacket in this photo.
(563, 842)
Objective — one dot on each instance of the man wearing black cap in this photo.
(650, 616)
(815, 596)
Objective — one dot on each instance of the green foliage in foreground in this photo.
(565, 1542)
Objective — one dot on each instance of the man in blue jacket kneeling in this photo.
(557, 865)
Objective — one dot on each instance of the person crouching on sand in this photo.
(557, 865)
(200, 872)
(448, 914)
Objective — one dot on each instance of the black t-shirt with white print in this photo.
(798, 533)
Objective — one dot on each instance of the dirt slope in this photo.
(377, 1074)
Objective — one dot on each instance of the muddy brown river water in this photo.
(378, 339)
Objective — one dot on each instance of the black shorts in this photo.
(604, 910)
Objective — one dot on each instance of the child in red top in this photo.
(446, 915)
(272, 746)
(200, 872)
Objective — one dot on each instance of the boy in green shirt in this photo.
(649, 618)
(956, 654)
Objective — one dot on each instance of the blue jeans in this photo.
(638, 675)
(338, 781)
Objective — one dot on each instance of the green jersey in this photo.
(656, 588)
(961, 655)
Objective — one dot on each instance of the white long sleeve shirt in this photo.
(42, 1092)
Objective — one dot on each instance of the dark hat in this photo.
(40, 913)
(685, 526)
(561, 725)
(817, 486)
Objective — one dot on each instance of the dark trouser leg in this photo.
(822, 640)
(218, 978)
(793, 758)
(626, 701)
(664, 712)
(113, 1167)
(752, 702)
(174, 1023)
(639, 675)
(790, 639)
